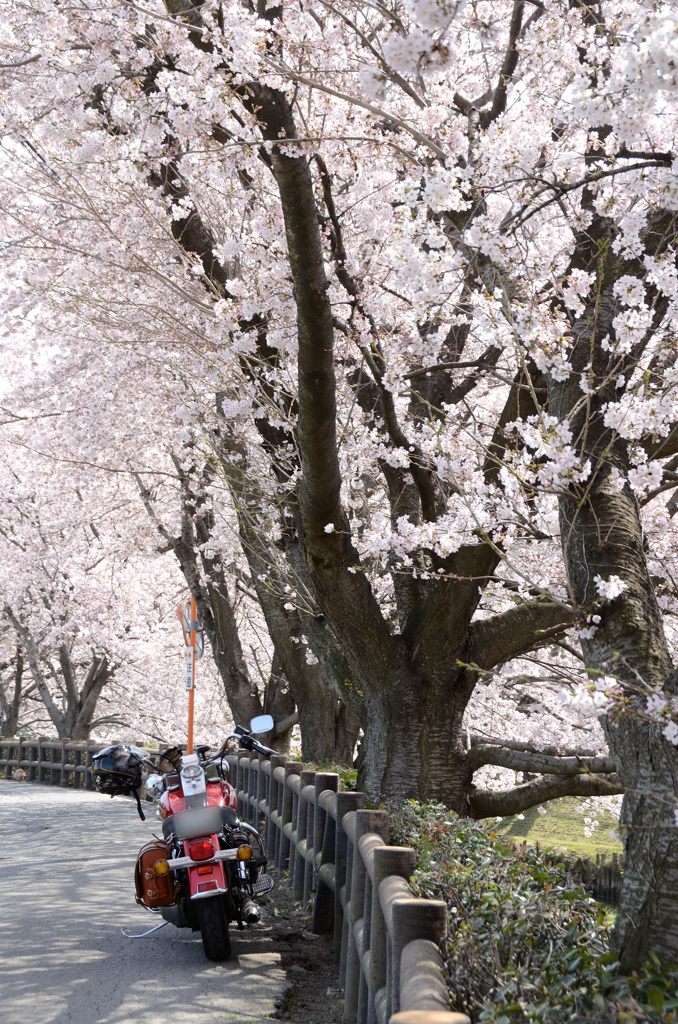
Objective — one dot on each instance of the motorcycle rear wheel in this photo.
(213, 924)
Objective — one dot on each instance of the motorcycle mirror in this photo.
(262, 723)
(153, 787)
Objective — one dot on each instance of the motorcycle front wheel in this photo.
(213, 925)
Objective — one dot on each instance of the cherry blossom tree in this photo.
(424, 252)
(87, 617)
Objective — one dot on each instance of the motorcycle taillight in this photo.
(201, 850)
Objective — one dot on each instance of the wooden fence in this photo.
(386, 942)
(54, 762)
(601, 877)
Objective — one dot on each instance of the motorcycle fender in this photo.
(206, 880)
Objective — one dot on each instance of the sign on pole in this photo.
(187, 614)
(190, 668)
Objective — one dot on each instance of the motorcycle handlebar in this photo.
(246, 741)
(262, 749)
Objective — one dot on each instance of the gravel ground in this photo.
(66, 889)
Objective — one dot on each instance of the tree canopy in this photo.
(376, 306)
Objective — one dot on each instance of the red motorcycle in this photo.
(209, 867)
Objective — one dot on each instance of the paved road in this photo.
(66, 888)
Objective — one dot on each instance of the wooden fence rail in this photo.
(387, 942)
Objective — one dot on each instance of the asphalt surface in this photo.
(67, 887)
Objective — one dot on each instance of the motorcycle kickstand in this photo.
(149, 931)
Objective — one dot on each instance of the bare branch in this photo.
(559, 189)
(521, 745)
(21, 63)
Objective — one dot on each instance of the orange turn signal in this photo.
(245, 852)
(161, 867)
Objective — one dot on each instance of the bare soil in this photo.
(313, 995)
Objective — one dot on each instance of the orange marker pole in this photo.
(187, 614)
(191, 692)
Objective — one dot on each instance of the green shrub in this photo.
(348, 777)
(523, 945)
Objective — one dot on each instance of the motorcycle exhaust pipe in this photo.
(251, 912)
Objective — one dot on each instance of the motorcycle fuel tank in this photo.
(219, 794)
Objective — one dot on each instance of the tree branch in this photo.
(33, 656)
(489, 804)
(423, 475)
(533, 748)
(98, 675)
(513, 632)
(536, 761)
(508, 67)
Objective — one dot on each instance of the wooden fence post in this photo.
(291, 768)
(306, 779)
(42, 756)
(309, 866)
(413, 919)
(33, 760)
(77, 784)
(91, 749)
(388, 860)
(64, 777)
(19, 749)
(271, 787)
(323, 849)
(295, 786)
(365, 822)
(346, 802)
(276, 806)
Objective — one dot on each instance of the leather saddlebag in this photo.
(154, 889)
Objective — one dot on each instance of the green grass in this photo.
(562, 827)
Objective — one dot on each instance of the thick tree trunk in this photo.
(329, 728)
(413, 746)
(328, 732)
(647, 918)
(11, 706)
(603, 537)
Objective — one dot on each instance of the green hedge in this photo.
(523, 945)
